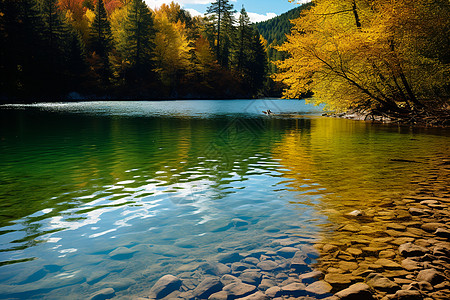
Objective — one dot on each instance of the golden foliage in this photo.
(361, 53)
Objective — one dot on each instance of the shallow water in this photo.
(103, 194)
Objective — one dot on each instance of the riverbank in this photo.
(399, 251)
(438, 118)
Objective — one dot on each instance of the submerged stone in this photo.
(287, 252)
(409, 249)
(227, 279)
(319, 288)
(267, 265)
(207, 287)
(164, 286)
(121, 253)
(357, 291)
(229, 257)
(294, 289)
(256, 296)
(338, 279)
(216, 269)
(407, 295)
(430, 275)
(388, 264)
(441, 232)
(266, 284)
(354, 251)
(103, 294)
(430, 227)
(239, 289)
(222, 295)
(273, 292)
(311, 276)
(380, 282)
(410, 265)
(330, 248)
(253, 278)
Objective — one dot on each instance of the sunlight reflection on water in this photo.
(148, 193)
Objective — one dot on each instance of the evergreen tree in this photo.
(254, 65)
(222, 12)
(20, 45)
(100, 42)
(54, 30)
(136, 44)
(56, 45)
(135, 37)
(244, 35)
(258, 63)
(100, 37)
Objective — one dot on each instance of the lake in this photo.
(117, 194)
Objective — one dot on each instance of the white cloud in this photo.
(254, 17)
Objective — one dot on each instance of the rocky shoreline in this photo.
(439, 118)
(398, 251)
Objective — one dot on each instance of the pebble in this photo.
(222, 295)
(207, 287)
(164, 286)
(319, 288)
(239, 289)
(273, 292)
(430, 275)
(408, 295)
(355, 291)
(267, 265)
(294, 289)
(388, 264)
(338, 279)
(311, 276)
(398, 252)
(380, 282)
(410, 264)
(253, 278)
(409, 249)
(256, 296)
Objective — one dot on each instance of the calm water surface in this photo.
(103, 194)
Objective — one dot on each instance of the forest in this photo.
(386, 56)
(390, 57)
(121, 49)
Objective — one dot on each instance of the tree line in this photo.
(388, 56)
(121, 49)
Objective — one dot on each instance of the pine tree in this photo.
(136, 44)
(134, 34)
(100, 37)
(223, 19)
(100, 45)
(244, 35)
(54, 30)
(254, 66)
(258, 63)
(20, 42)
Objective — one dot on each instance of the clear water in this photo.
(118, 194)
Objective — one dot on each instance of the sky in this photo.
(257, 10)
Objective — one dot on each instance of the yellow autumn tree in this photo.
(171, 47)
(368, 55)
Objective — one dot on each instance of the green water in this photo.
(125, 192)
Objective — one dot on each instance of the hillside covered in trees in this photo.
(391, 57)
(277, 28)
(120, 49)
